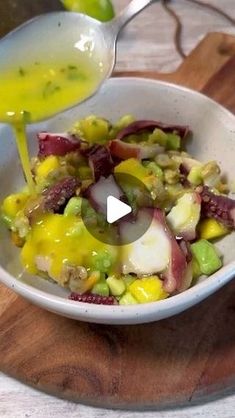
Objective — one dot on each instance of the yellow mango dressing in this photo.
(39, 90)
(59, 238)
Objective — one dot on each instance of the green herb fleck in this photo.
(73, 73)
(49, 89)
(72, 67)
(26, 116)
(22, 72)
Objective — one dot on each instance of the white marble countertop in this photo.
(147, 43)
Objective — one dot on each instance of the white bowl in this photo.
(214, 139)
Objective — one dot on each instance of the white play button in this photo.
(116, 209)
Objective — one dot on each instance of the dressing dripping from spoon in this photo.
(52, 63)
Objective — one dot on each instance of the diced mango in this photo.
(132, 167)
(50, 164)
(13, 204)
(94, 129)
(149, 289)
(211, 229)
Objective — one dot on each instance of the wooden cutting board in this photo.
(184, 359)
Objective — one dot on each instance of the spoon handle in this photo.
(132, 10)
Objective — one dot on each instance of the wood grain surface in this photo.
(183, 359)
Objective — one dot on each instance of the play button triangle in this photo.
(116, 209)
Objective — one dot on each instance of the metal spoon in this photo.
(58, 35)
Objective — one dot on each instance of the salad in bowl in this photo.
(180, 206)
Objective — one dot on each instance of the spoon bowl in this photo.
(68, 38)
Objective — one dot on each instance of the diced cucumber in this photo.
(206, 256)
(117, 286)
(128, 299)
(101, 289)
(195, 176)
(128, 279)
(102, 261)
(154, 169)
(173, 142)
(158, 137)
(7, 220)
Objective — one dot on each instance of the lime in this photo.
(99, 9)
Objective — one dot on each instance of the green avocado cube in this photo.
(206, 256)
(173, 142)
(101, 288)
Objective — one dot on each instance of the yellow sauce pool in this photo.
(40, 90)
(59, 239)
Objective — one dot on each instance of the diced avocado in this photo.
(74, 207)
(158, 137)
(173, 142)
(117, 286)
(196, 269)
(92, 129)
(128, 299)
(101, 288)
(206, 256)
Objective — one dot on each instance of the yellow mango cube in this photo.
(95, 129)
(13, 204)
(211, 229)
(149, 289)
(132, 167)
(50, 164)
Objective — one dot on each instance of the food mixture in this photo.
(190, 209)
